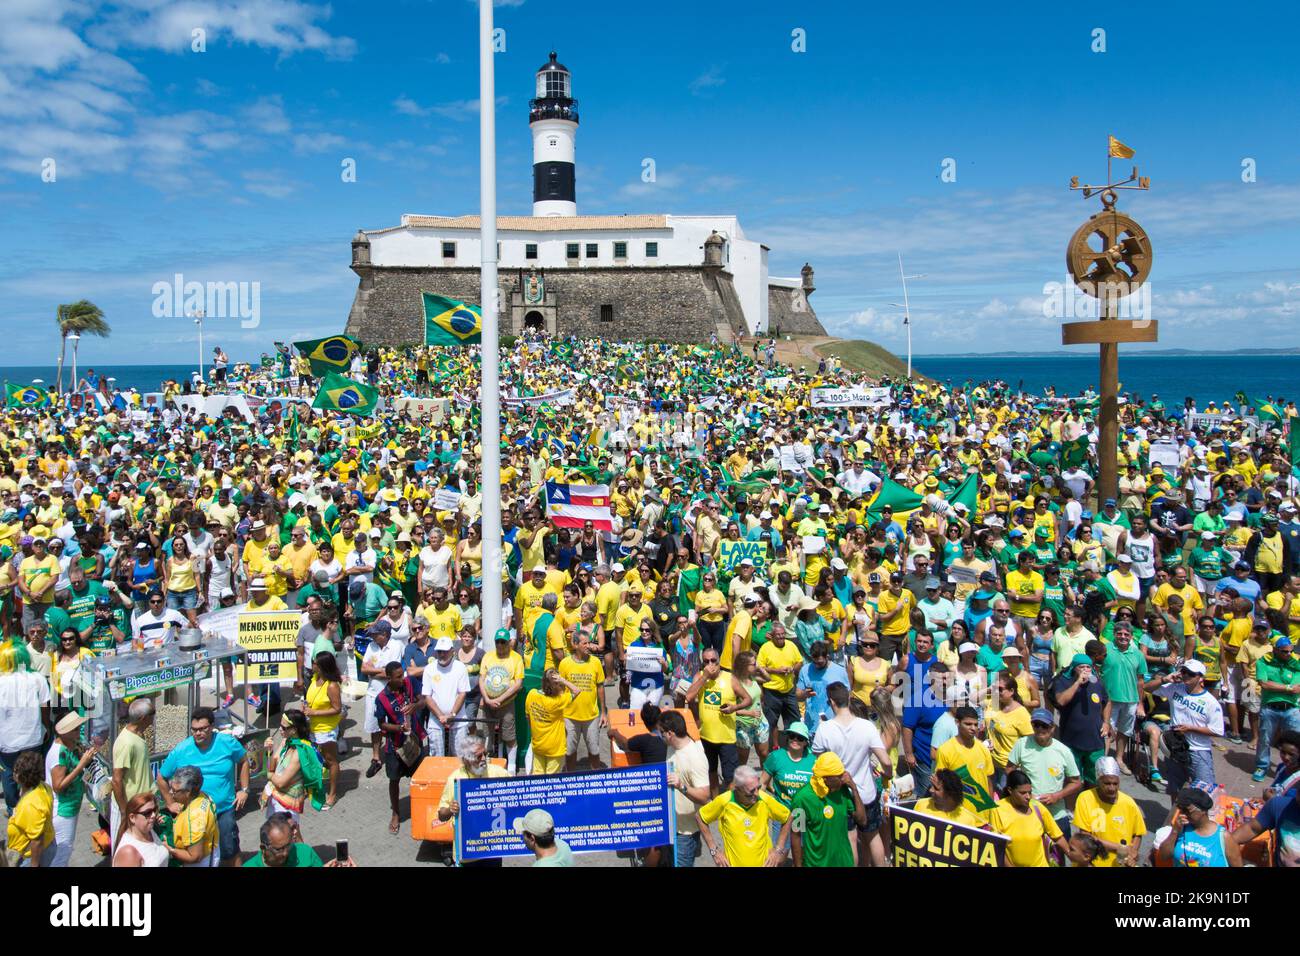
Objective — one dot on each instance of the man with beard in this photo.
(474, 765)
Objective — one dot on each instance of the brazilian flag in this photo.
(1074, 453)
(977, 798)
(341, 394)
(331, 354)
(449, 322)
(26, 396)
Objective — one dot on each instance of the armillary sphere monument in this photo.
(1109, 258)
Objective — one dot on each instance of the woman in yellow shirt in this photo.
(182, 581)
(868, 670)
(711, 613)
(194, 833)
(545, 709)
(31, 826)
(470, 552)
(324, 710)
(1026, 821)
(1006, 720)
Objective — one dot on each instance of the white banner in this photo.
(435, 408)
(213, 405)
(855, 397)
(778, 384)
(446, 500)
(562, 397)
(1164, 454)
(796, 458)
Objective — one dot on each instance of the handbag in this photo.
(410, 750)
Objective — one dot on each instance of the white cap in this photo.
(765, 516)
(618, 566)
(1124, 559)
(443, 644)
(747, 562)
(1192, 667)
(839, 565)
(537, 569)
(969, 647)
(258, 583)
(824, 509)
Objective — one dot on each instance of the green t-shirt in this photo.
(1120, 673)
(301, 856)
(1049, 768)
(81, 607)
(788, 776)
(824, 823)
(1269, 668)
(562, 856)
(58, 621)
(1210, 564)
(68, 803)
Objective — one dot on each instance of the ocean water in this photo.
(1174, 377)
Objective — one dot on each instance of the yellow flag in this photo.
(1119, 150)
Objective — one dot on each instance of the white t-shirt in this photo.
(377, 656)
(853, 745)
(356, 559)
(433, 567)
(23, 696)
(442, 684)
(1196, 710)
(154, 629)
(333, 569)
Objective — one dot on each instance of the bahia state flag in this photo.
(331, 354)
(448, 322)
(571, 506)
(26, 396)
(339, 394)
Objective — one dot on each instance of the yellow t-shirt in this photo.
(1235, 633)
(445, 623)
(546, 719)
(746, 831)
(903, 619)
(1025, 830)
(528, 602)
(32, 821)
(770, 656)
(715, 726)
(589, 677)
(1005, 728)
(709, 605)
(607, 603)
(975, 759)
(627, 622)
(1118, 822)
(37, 574)
(318, 698)
(1277, 601)
(197, 823)
(963, 814)
(741, 624)
(1019, 584)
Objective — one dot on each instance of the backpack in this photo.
(313, 772)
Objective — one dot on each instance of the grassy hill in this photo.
(865, 357)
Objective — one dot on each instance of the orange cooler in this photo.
(426, 792)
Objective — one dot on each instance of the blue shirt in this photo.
(921, 720)
(1249, 588)
(817, 706)
(1282, 814)
(219, 765)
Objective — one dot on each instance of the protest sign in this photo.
(446, 500)
(856, 397)
(921, 840)
(271, 639)
(1164, 454)
(731, 553)
(625, 809)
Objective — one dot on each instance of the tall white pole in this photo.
(488, 297)
(907, 317)
(199, 321)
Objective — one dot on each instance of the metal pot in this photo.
(190, 639)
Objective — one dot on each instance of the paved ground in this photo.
(362, 813)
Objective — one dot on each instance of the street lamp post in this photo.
(198, 321)
(489, 349)
(75, 339)
(907, 312)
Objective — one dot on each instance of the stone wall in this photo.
(676, 304)
(790, 312)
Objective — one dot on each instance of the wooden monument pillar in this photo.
(1109, 257)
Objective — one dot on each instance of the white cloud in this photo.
(441, 58)
(709, 79)
(316, 142)
(453, 110)
(267, 115)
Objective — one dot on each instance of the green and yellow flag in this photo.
(449, 322)
(339, 394)
(1119, 150)
(331, 354)
(26, 396)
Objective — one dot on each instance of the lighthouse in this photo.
(553, 118)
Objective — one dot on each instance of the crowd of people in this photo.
(933, 604)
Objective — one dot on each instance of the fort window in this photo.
(530, 250)
(570, 250)
(620, 250)
(449, 250)
(607, 313)
(652, 250)
(592, 250)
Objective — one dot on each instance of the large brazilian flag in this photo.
(26, 396)
(448, 322)
(341, 394)
(331, 354)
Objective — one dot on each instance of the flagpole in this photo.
(488, 298)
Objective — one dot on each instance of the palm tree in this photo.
(84, 318)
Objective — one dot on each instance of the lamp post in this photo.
(198, 321)
(488, 298)
(74, 338)
(907, 312)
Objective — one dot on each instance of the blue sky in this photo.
(224, 165)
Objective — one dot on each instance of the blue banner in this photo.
(630, 808)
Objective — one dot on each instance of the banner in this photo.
(922, 840)
(271, 639)
(1164, 454)
(855, 397)
(435, 408)
(796, 458)
(731, 553)
(214, 405)
(563, 396)
(630, 808)
(446, 499)
(777, 384)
